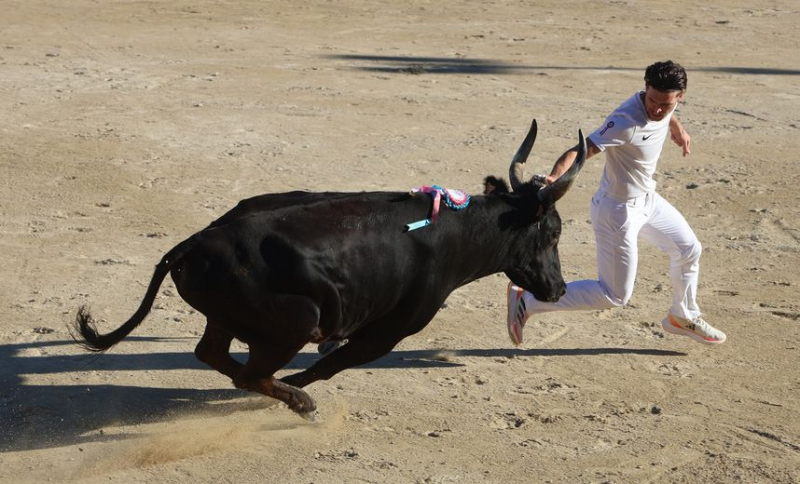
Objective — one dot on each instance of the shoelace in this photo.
(704, 327)
(701, 323)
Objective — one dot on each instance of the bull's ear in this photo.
(494, 185)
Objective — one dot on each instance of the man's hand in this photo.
(679, 135)
(540, 181)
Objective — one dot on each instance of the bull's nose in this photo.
(559, 293)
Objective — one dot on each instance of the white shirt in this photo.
(632, 144)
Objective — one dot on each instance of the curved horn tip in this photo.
(515, 171)
(582, 142)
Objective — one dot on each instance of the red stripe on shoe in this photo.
(678, 325)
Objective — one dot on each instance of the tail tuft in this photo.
(84, 331)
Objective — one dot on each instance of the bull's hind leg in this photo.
(258, 376)
(214, 350)
(290, 323)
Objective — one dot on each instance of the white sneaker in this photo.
(697, 329)
(517, 315)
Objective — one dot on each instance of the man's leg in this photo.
(669, 231)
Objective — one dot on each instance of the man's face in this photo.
(660, 103)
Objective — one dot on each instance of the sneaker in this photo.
(698, 329)
(517, 315)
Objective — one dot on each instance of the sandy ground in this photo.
(127, 126)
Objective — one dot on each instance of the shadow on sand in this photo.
(45, 416)
(460, 65)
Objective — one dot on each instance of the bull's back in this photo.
(271, 203)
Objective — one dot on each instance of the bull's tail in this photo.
(84, 330)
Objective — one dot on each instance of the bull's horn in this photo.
(556, 190)
(516, 172)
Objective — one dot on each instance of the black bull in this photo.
(282, 270)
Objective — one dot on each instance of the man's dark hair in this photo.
(665, 76)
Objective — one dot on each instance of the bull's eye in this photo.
(552, 240)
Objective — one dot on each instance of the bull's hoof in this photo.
(312, 416)
(302, 404)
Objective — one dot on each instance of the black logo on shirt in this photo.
(609, 125)
(645, 138)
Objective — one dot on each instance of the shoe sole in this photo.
(514, 330)
(671, 328)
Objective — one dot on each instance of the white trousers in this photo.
(617, 228)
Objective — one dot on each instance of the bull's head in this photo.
(536, 223)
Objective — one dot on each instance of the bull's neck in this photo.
(481, 247)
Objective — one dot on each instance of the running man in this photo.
(627, 207)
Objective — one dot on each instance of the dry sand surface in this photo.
(127, 126)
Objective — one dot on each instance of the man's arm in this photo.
(679, 135)
(568, 158)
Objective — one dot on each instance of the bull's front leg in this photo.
(358, 351)
(365, 346)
